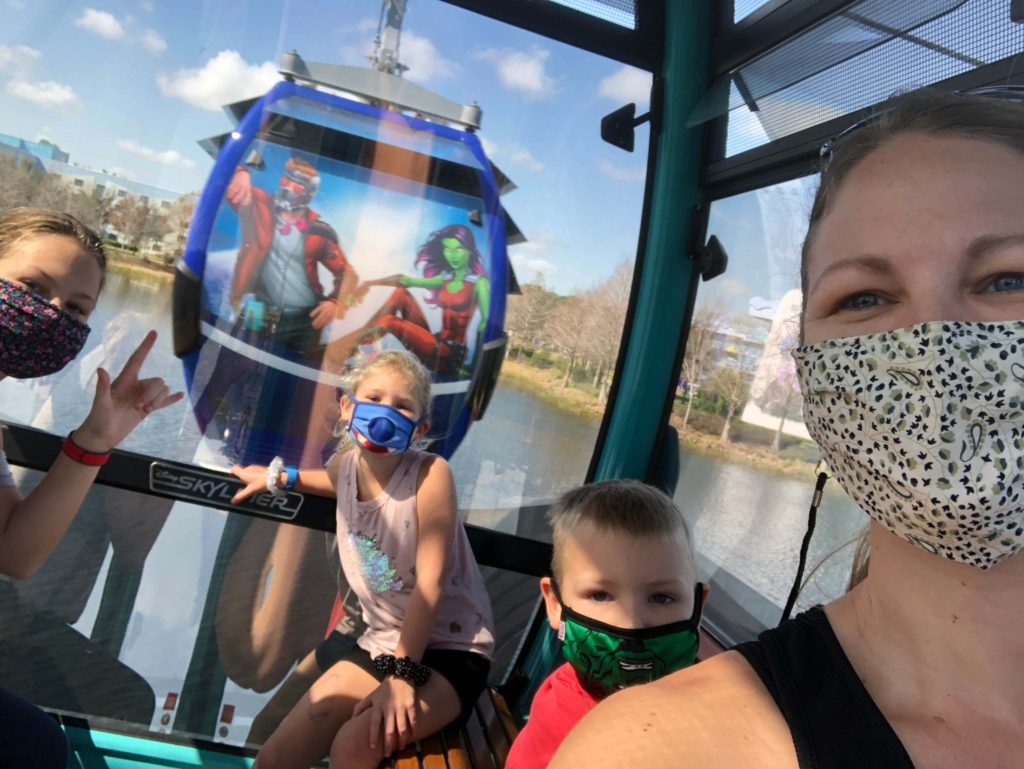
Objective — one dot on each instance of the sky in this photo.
(130, 86)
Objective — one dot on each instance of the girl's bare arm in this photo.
(436, 517)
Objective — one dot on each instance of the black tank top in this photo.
(834, 722)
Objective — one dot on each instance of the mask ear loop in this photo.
(812, 518)
(561, 606)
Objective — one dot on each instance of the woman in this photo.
(913, 273)
(454, 272)
(51, 272)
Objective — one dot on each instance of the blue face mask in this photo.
(381, 429)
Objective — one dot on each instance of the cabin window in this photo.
(145, 115)
(748, 464)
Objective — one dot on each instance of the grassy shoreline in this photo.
(545, 384)
(137, 270)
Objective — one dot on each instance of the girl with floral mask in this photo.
(424, 658)
(51, 273)
(912, 371)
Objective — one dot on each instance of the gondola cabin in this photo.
(321, 225)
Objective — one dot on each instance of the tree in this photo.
(567, 331)
(91, 208)
(731, 382)
(139, 224)
(179, 219)
(605, 316)
(706, 323)
(528, 314)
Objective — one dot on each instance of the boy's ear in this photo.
(554, 609)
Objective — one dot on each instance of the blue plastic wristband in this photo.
(291, 476)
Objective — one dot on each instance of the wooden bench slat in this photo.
(479, 750)
(407, 758)
(456, 750)
(493, 729)
(432, 752)
(507, 722)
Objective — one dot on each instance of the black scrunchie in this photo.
(402, 667)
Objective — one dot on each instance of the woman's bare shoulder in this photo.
(716, 714)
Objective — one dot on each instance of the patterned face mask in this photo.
(608, 658)
(36, 338)
(924, 428)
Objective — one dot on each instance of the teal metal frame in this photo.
(662, 296)
(662, 291)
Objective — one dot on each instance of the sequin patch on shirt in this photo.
(376, 565)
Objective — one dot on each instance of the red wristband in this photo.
(77, 453)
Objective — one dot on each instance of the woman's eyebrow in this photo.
(870, 262)
(987, 244)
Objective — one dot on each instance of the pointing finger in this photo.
(137, 358)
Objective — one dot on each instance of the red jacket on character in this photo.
(319, 245)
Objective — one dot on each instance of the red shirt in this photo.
(558, 705)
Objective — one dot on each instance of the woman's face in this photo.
(923, 229)
(57, 268)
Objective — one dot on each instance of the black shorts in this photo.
(466, 671)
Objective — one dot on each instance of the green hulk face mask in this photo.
(608, 658)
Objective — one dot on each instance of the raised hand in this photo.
(119, 405)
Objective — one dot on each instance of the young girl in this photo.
(425, 658)
(51, 272)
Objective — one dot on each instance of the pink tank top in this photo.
(377, 545)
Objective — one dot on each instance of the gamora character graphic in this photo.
(454, 273)
(275, 284)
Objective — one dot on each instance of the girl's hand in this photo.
(119, 406)
(253, 476)
(392, 707)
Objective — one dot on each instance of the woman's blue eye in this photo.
(1012, 282)
(662, 598)
(864, 301)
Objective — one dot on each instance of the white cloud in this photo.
(46, 94)
(522, 157)
(621, 174)
(148, 6)
(165, 157)
(522, 71)
(18, 60)
(424, 61)
(225, 78)
(366, 24)
(153, 42)
(526, 266)
(490, 148)
(102, 23)
(627, 84)
(15, 4)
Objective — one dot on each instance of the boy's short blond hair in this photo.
(623, 506)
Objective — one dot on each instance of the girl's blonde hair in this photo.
(399, 361)
(18, 224)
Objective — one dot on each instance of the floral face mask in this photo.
(924, 429)
(36, 338)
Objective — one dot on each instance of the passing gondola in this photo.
(330, 229)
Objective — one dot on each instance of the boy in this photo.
(624, 600)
